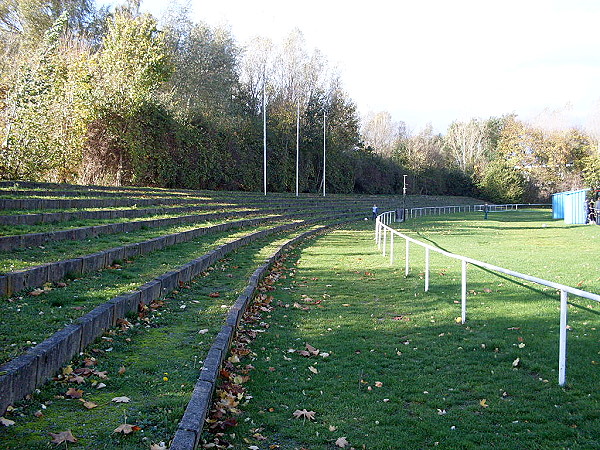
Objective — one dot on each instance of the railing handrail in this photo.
(381, 226)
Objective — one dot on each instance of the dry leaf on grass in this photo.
(304, 414)
(313, 369)
(341, 442)
(121, 400)
(63, 436)
(126, 428)
(88, 405)
(74, 393)
(6, 422)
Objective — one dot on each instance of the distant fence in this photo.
(382, 229)
(438, 210)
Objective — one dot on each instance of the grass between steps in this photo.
(21, 258)
(27, 320)
(400, 371)
(161, 355)
(9, 230)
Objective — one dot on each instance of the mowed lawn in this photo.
(394, 369)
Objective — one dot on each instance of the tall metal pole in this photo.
(297, 144)
(265, 134)
(404, 193)
(324, 146)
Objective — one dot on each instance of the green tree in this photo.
(132, 65)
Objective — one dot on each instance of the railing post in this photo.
(562, 346)
(464, 292)
(384, 240)
(391, 248)
(426, 269)
(407, 258)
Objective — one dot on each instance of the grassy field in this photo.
(395, 370)
(342, 351)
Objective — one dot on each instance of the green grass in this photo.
(27, 320)
(378, 326)
(167, 345)
(22, 258)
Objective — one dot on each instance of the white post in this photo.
(562, 347)
(265, 135)
(407, 258)
(464, 292)
(297, 144)
(324, 146)
(392, 248)
(384, 240)
(426, 269)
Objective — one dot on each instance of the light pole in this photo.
(265, 134)
(297, 144)
(324, 147)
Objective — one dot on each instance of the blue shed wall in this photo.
(574, 207)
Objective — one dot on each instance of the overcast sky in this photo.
(438, 60)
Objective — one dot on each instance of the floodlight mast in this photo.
(324, 147)
(265, 133)
(297, 144)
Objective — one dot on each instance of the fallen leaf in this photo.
(37, 292)
(100, 386)
(126, 428)
(102, 375)
(313, 369)
(312, 350)
(378, 384)
(122, 370)
(159, 446)
(332, 428)
(214, 295)
(341, 442)
(303, 413)
(89, 405)
(76, 379)
(483, 403)
(516, 362)
(6, 422)
(204, 331)
(39, 414)
(63, 436)
(74, 393)
(121, 400)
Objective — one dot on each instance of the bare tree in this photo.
(466, 144)
(380, 132)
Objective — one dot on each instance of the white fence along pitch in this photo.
(382, 229)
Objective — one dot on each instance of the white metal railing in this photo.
(382, 229)
(438, 210)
